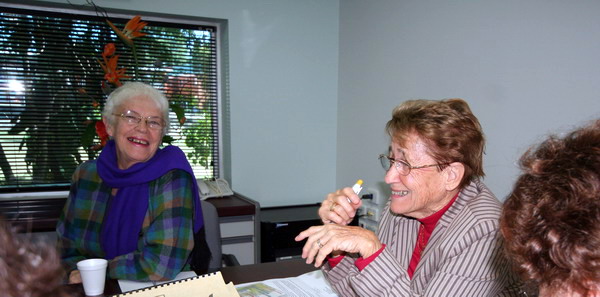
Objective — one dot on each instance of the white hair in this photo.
(133, 89)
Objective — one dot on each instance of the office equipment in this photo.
(279, 227)
(214, 188)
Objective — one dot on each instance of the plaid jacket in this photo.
(166, 238)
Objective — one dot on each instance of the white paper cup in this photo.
(93, 275)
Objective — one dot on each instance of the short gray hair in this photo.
(133, 89)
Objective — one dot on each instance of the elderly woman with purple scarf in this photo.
(137, 205)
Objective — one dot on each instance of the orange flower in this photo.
(109, 50)
(182, 120)
(111, 73)
(132, 30)
(101, 131)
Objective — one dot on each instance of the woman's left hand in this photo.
(328, 238)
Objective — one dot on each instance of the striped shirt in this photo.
(166, 238)
(462, 258)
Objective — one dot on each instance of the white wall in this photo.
(527, 68)
(283, 68)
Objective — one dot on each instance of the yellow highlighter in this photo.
(356, 188)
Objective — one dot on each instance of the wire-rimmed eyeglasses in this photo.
(133, 118)
(402, 166)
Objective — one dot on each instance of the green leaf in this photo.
(167, 139)
(178, 110)
(87, 138)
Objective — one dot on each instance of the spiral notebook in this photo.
(207, 285)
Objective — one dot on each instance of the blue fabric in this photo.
(125, 214)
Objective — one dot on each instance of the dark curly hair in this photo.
(28, 268)
(551, 220)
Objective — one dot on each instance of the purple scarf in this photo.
(125, 214)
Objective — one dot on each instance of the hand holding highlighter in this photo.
(356, 188)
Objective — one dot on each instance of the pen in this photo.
(356, 188)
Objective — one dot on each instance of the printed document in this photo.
(311, 284)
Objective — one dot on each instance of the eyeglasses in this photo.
(133, 118)
(401, 166)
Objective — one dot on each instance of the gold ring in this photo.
(319, 243)
(333, 205)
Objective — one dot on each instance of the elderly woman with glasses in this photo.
(137, 205)
(438, 235)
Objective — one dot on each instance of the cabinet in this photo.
(279, 227)
(239, 219)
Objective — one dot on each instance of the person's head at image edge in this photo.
(551, 219)
(28, 268)
(135, 141)
(445, 139)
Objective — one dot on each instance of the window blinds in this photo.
(52, 87)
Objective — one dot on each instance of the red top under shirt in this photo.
(425, 230)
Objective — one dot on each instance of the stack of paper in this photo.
(202, 285)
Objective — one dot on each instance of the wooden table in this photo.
(236, 274)
(257, 272)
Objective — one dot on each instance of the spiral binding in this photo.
(166, 284)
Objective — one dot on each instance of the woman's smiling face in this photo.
(135, 143)
(422, 192)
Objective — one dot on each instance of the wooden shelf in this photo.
(235, 205)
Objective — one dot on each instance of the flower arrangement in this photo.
(113, 77)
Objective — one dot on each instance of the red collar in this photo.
(430, 221)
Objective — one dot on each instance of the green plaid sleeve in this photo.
(79, 225)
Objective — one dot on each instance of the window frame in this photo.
(44, 193)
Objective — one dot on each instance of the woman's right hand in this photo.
(74, 277)
(340, 207)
